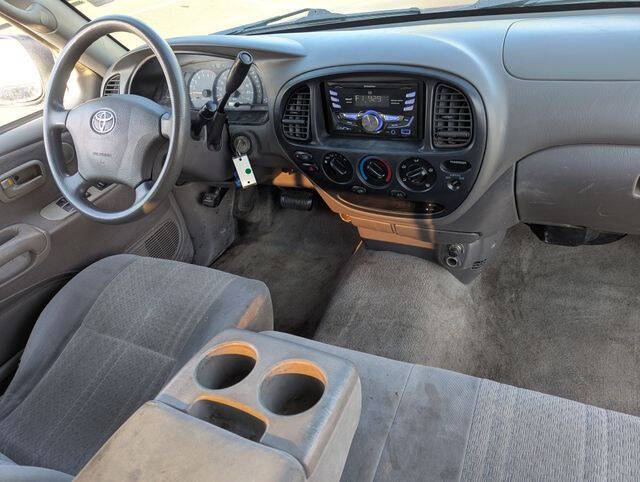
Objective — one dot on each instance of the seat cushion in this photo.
(422, 423)
(106, 343)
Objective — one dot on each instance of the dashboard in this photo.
(441, 137)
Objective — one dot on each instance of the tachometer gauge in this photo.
(201, 87)
(245, 95)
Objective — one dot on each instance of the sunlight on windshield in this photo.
(174, 18)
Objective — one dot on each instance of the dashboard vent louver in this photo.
(112, 86)
(452, 118)
(296, 120)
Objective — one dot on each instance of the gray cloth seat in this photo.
(105, 344)
(423, 423)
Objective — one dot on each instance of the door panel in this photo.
(39, 251)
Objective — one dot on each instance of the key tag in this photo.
(244, 170)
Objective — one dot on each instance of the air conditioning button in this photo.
(396, 193)
(456, 166)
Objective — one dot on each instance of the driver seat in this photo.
(107, 343)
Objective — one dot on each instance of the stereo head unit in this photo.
(377, 109)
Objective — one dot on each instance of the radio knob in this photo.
(372, 121)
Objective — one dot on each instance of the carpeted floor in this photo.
(563, 321)
(298, 254)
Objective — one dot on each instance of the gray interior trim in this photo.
(98, 57)
(4, 460)
(595, 186)
(161, 443)
(596, 48)
(265, 46)
(522, 118)
(22, 473)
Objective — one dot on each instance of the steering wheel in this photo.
(117, 138)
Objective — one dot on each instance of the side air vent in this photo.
(452, 118)
(112, 86)
(296, 120)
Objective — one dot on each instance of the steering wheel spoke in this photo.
(77, 184)
(142, 190)
(166, 123)
(58, 117)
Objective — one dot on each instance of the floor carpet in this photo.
(559, 320)
(298, 254)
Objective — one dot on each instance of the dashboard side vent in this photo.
(112, 86)
(452, 118)
(296, 120)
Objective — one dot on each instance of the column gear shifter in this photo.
(213, 116)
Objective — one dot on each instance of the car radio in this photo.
(379, 109)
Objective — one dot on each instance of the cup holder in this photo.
(292, 388)
(226, 365)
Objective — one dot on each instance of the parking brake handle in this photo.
(237, 73)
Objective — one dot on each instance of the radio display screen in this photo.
(390, 110)
(369, 100)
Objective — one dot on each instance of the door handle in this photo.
(22, 180)
(22, 246)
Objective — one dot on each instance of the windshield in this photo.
(174, 18)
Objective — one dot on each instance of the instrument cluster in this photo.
(205, 80)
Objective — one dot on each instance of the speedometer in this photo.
(245, 95)
(201, 87)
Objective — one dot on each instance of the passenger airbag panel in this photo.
(574, 48)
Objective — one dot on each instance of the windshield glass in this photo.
(174, 18)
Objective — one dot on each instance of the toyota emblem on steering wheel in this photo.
(103, 121)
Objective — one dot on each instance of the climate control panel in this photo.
(429, 185)
(403, 141)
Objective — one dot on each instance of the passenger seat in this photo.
(422, 423)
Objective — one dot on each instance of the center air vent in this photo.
(452, 118)
(112, 86)
(296, 120)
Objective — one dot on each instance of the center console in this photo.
(248, 406)
(400, 140)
